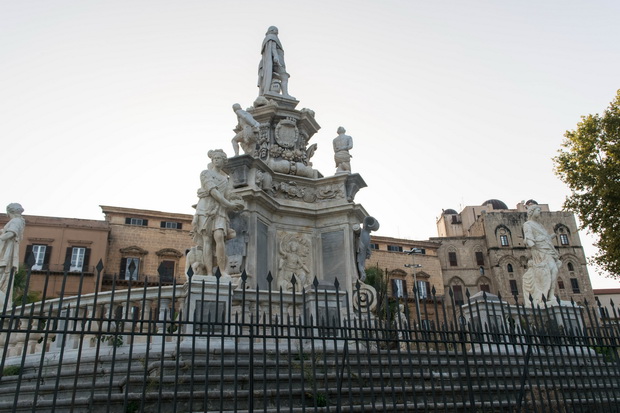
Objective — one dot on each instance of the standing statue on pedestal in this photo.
(211, 225)
(246, 131)
(363, 250)
(342, 144)
(542, 272)
(10, 237)
(272, 75)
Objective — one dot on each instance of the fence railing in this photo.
(207, 345)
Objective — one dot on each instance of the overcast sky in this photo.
(449, 103)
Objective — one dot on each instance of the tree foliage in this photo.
(386, 308)
(589, 163)
(19, 287)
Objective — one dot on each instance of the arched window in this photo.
(509, 268)
(503, 235)
(452, 260)
(570, 266)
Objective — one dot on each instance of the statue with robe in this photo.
(272, 75)
(10, 237)
(542, 272)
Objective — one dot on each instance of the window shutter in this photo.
(86, 259)
(68, 256)
(121, 272)
(46, 258)
(28, 253)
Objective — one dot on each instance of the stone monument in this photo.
(211, 224)
(246, 130)
(342, 144)
(294, 229)
(272, 75)
(540, 278)
(10, 237)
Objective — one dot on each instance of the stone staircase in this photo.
(186, 377)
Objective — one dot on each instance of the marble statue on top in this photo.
(211, 224)
(363, 245)
(246, 131)
(342, 144)
(10, 237)
(542, 272)
(272, 75)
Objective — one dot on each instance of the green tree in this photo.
(589, 163)
(19, 286)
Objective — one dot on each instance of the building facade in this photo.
(609, 300)
(145, 246)
(59, 244)
(483, 249)
(405, 270)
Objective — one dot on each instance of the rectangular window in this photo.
(514, 290)
(130, 268)
(166, 270)
(479, 258)
(399, 288)
(563, 239)
(374, 246)
(77, 259)
(452, 259)
(458, 294)
(574, 283)
(137, 221)
(171, 225)
(395, 248)
(503, 240)
(424, 289)
(38, 251)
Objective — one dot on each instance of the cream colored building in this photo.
(482, 248)
(406, 270)
(144, 243)
(606, 296)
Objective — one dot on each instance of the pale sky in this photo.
(449, 103)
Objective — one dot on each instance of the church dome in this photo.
(449, 211)
(495, 203)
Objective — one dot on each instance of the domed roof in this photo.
(496, 203)
(449, 211)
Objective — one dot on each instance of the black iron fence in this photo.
(206, 345)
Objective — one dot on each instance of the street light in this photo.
(413, 266)
(415, 285)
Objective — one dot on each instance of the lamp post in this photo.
(413, 266)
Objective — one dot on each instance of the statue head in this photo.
(341, 130)
(532, 209)
(272, 30)
(236, 107)
(217, 153)
(14, 209)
